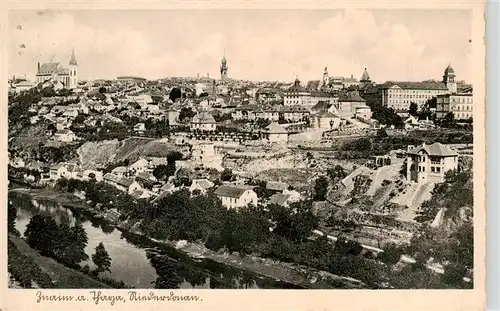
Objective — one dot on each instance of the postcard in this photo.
(243, 155)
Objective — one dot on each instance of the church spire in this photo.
(72, 61)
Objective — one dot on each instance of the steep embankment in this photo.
(92, 154)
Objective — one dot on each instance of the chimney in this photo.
(38, 66)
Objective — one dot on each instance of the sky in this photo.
(258, 44)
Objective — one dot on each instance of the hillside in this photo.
(106, 152)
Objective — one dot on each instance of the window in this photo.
(423, 168)
(438, 169)
(432, 169)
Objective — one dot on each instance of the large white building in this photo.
(429, 163)
(461, 105)
(400, 95)
(299, 95)
(56, 74)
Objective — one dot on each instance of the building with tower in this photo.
(449, 79)
(365, 79)
(326, 78)
(57, 75)
(400, 95)
(223, 69)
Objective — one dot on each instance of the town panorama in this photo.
(217, 182)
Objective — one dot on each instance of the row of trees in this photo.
(64, 243)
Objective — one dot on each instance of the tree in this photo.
(320, 188)
(79, 119)
(164, 171)
(448, 120)
(336, 173)
(391, 254)
(41, 233)
(11, 217)
(413, 109)
(175, 93)
(102, 90)
(382, 133)
(226, 175)
(101, 259)
(186, 113)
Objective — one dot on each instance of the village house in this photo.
(64, 170)
(206, 155)
(201, 185)
(139, 166)
(276, 133)
(236, 197)
(155, 161)
(128, 185)
(120, 171)
(326, 121)
(146, 179)
(139, 128)
(285, 198)
(351, 105)
(17, 162)
(65, 135)
(143, 194)
(276, 186)
(294, 113)
(429, 163)
(411, 123)
(71, 113)
(34, 119)
(203, 121)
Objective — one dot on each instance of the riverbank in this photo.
(302, 276)
(62, 276)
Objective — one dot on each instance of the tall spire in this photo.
(72, 61)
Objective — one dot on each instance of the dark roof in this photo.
(48, 68)
(279, 198)
(72, 61)
(277, 186)
(365, 77)
(426, 85)
(322, 105)
(436, 149)
(449, 70)
(350, 97)
(230, 191)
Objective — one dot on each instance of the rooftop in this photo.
(436, 149)
(230, 191)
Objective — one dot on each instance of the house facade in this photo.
(276, 133)
(203, 121)
(461, 105)
(236, 197)
(429, 163)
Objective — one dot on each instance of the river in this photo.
(136, 260)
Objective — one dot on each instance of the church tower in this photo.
(449, 79)
(326, 78)
(223, 68)
(365, 79)
(73, 71)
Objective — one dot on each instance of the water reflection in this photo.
(138, 261)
